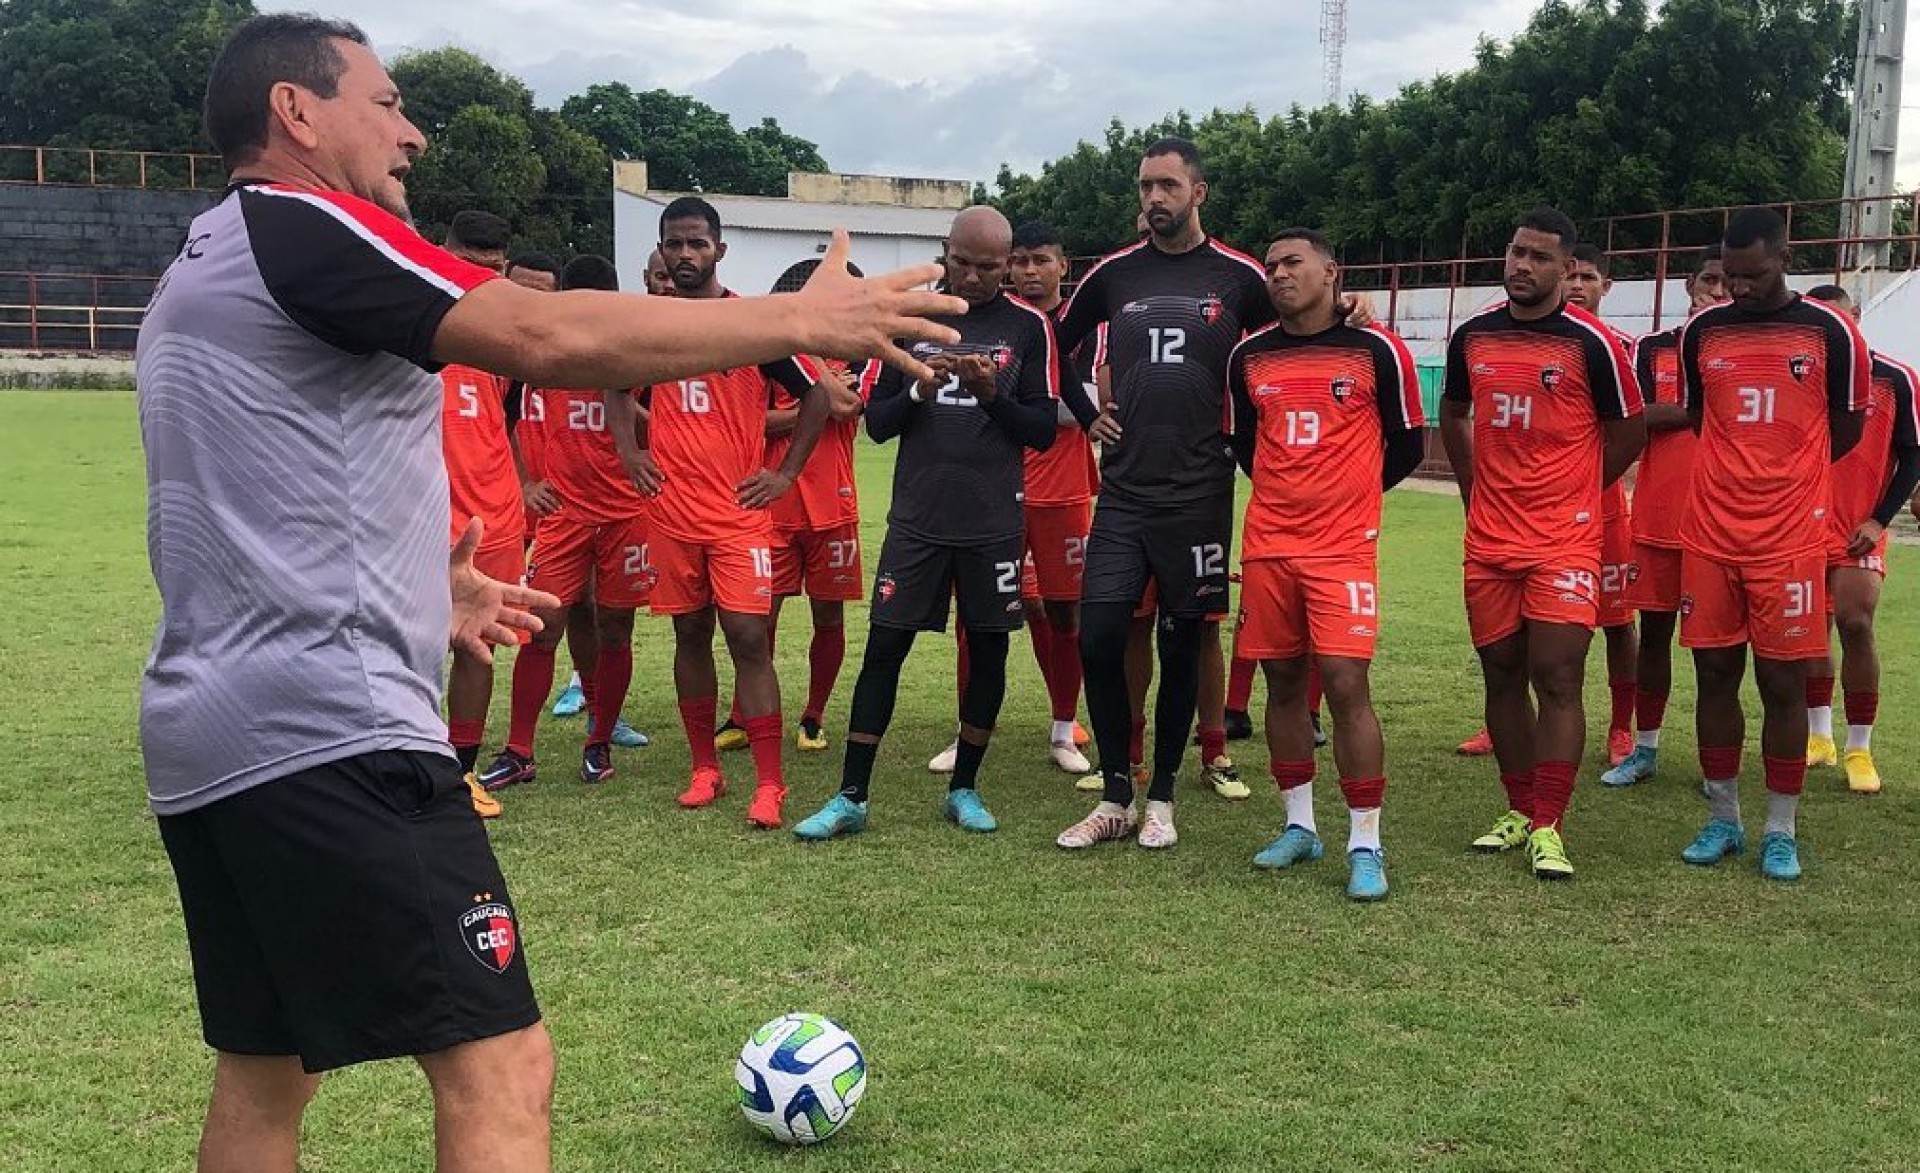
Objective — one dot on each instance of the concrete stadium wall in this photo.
(118, 231)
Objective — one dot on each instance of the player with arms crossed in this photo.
(1327, 417)
(1174, 305)
(956, 526)
(1870, 484)
(1775, 385)
(1660, 497)
(1539, 414)
(712, 537)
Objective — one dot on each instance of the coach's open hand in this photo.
(855, 318)
(487, 612)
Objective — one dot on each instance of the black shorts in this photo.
(1184, 549)
(348, 913)
(915, 579)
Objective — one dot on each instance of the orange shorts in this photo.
(691, 576)
(1655, 584)
(1874, 560)
(1150, 605)
(1056, 561)
(567, 554)
(824, 563)
(1618, 569)
(1503, 599)
(1778, 607)
(1289, 606)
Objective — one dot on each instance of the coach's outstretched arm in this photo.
(587, 338)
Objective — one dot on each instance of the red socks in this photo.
(466, 734)
(1623, 702)
(1650, 710)
(1862, 707)
(697, 717)
(1819, 692)
(532, 681)
(1287, 775)
(1063, 681)
(763, 734)
(1213, 742)
(1363, 794)
(825, 655)
(612, 674)
(1718, 763)
(1552, 790)
(1240, 684)
(1519, 792)
(1785, 775)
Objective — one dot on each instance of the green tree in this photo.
(1598, 107)
(687, 144)
(109, 73)
(483, 159)
(440, 83)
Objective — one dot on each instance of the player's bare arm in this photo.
(1456, 434)
(1625, 440)
(1844, 429)
(768, 485)
(624, 425)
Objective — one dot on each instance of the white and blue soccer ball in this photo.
(800, 1077)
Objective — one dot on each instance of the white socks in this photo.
(1063, 733)
(1820, 722)
(1364, 830)
(1300, 806)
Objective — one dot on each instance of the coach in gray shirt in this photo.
(297, 521)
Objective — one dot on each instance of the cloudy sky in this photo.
(939, 88)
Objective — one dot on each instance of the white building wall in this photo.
(755, 256)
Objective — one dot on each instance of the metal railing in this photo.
(91, 167)
(72, 311)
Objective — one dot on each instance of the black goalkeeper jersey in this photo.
(1172, 319)
(961, 472)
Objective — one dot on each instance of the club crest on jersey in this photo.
(489, 932)
(1002, 357)
(1550, 377)
(885, 588)
(1211, 308)
(1800, 365)
(1343, 388)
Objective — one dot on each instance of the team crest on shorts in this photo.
(1211, 308)
(1800, 366)
(1343, 388)
(884, 588)
(1686, 604)
(1550, 376)
(490, 933)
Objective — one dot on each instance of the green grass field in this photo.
(1022, 1008)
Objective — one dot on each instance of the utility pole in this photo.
(1874, 141)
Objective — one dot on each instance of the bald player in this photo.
(957, 526)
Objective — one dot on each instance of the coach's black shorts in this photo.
(348, 913)
(1183, 548)
(917, 577)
